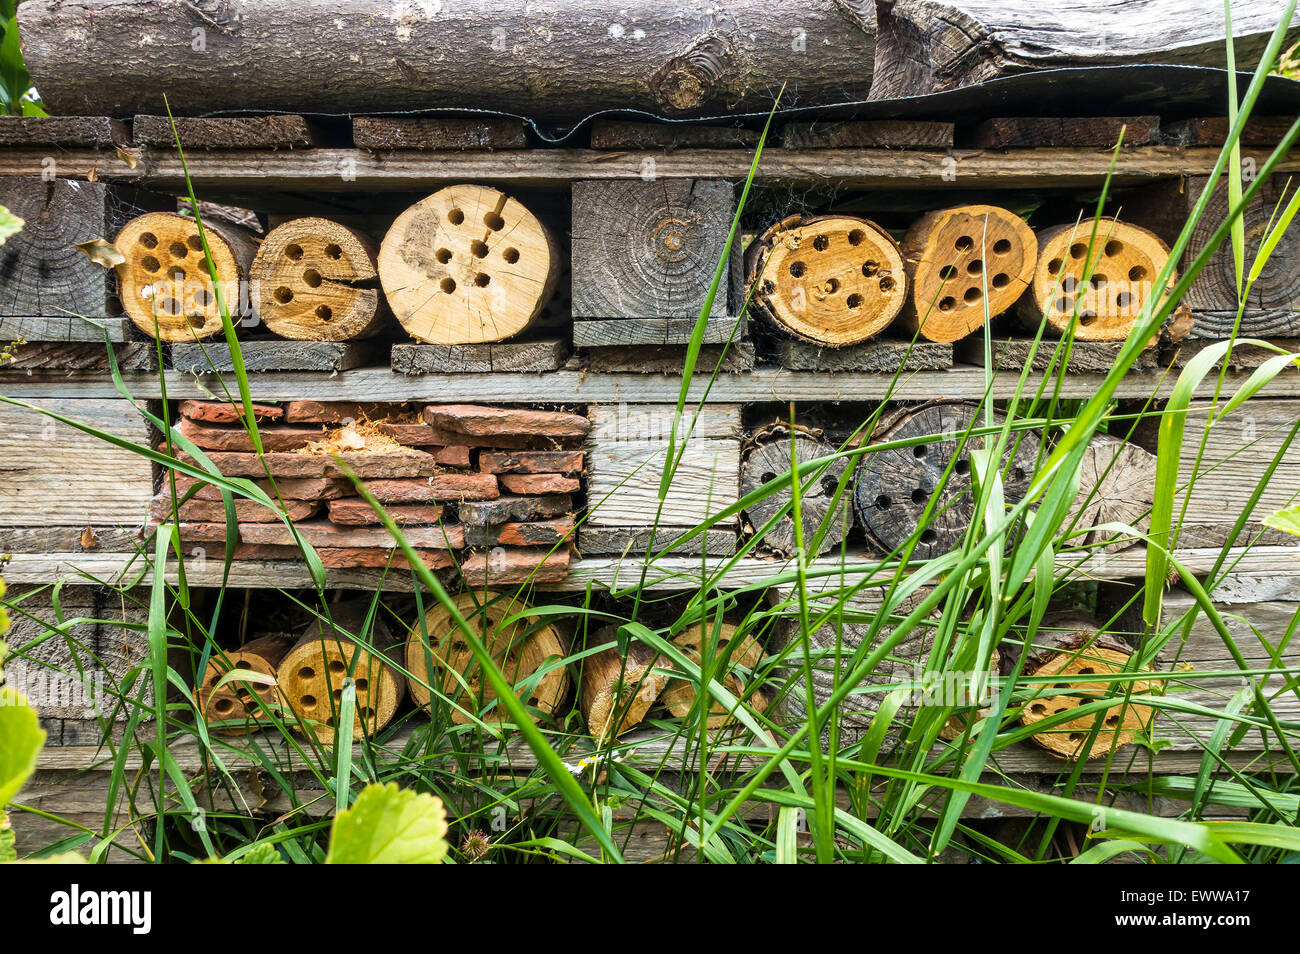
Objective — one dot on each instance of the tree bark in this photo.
(926, 46)
(552, 62)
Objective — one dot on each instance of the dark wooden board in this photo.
(877, 356)
(63, 328)
(1086, 357)
(242, 132)
(438, 133)
(670, 359)
(280, 356)
(548, 355)
(1242, 356)
(1101, 131)
(608, 134)
(868, 134)
(595, 541)
(620, 332)
(93, 132)
(1213, 131)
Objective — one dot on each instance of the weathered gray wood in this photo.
(623, 482)
(231, 132)
(439, 133)
(1241, 357)
(654, 422)
(1086, 357)
(609, 134)
(75, 356)
(99, 538)
(877, 356)
(1102, 131)
(925, 46)
(546, 355)
(630, 332)
(95, 132)
(648, 248)
(279, 356)
(594, 541)
(770, 459)
(1213, 131)
(1117, 483)
(552, 63)
(80, 798)
(868, 134)
(56, 475)
(63, 328)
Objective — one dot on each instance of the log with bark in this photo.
(164, 283)
(316, 280)
(238, 702)
(468, 264)
(1071, 647)
(617, 689)
(1102, 269)
(833, 280)
(552, 62)
(925, 46)
(769, 456)
(312, 673)
(1117, 484)
(965, 265)
(438, 655)
(736, 672)
(895, 486)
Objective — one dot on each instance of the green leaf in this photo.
(10, 224)
(21, 738)
(263, 853)
(388, 825)
(1288, 520)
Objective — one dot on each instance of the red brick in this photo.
(508, 566)
(275, 437)
(439, 487)
(289, 488)
(322, 533)
(538, 533)
(220, 412)
(515, 509)
(412, 435)
(214, 511)
(531, 462)
(538, 483)
(347, 558)
(357, 513)
(448, 438)
(336, 412)
(455, 456)
(480, 421)
(412, 463)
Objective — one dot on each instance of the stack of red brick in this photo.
(487, 490)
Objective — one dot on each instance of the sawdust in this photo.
(359, 437)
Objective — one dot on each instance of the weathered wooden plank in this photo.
(623, 482)
(97, 538)
(80, 798)
(1213, 131)
(269, 355)
(1069, 131)
(438, 133)
(595, 541)
(95, 132)
(877, 356)
(868, 134)
(654, 422)
(670, 359)
(1242, 356)
(57, 475)
(63, 328)
(228, 132)
(78, 356)
(1086, 357)
(501, 356)
(625, 332)
(610, 134)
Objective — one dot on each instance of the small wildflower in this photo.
(475, 845)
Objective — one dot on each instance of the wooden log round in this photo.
(617, 691)
(679, 696)
(165, 275)
(965, 265)
(238, 703)
(520, 648)
(1117, 482)
(834, 280)
(1122, 262)
(895, 486)
(315, 280)
(312, 673)
(1080, 650)
(467, 264)
(769, 457)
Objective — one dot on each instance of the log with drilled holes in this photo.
(1102, 269)
(1067, 647)
(315, 280)
(437, 655)
(769, 456)
(894, 487)
(736, 671)
(964, 265)
(165, 275)
(833, 280)
(240, 703)
(617, 690)
(467, 264)
(312, 674)
(1117, 484)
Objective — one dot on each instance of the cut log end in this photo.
(242, 703)
(1120, 262)
(770, 459)
(313, 280)
(467, 264)
(679, 697)
(617, 690)
(1116, 485)
(165, 277)
(834, 280)
(966, 264)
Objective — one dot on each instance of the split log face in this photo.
(617, 687)
(314, 280)
(834, 280)
(467, 264)
(894, 487)
(233, 701)
(768, 460)
(1117, 483)
(679, 697)
(1082, 655)
(965, 264)
(520, 648)
(1124, 261)
(165, 270)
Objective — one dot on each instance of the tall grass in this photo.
(768, 787)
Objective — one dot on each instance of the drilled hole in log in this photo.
(962, 466)
(1123, 300)
(869, 268)
(324, 312)
(883, 502)
(283, 295)
(148, 240)
(178, 250)
(947, 304)
(223, 707)
(338, 695)
(1114, 247)
(854, 301)
(974, 266)
(448, 285)
(1001, 280)
(307, 702)
(1112, 721)
(337, 667)
(362, 684)
(478, 249)
(511, 255)
(829, 485)
(1001, 247)
(242, 664)
(919, 496)
(1137, 273)
(306, 673)
(856, 237)
(1088, 671)
(1078, 250)
(494, 221)
(1018, 473)
(455, 216)
(887, 285)
(1076, 737)
(482, 279)
(150, 264)
(1063, 305)
(948, 272)
(832, 286)
(928, 537)
(918, 451)
(1054, 266)
(1099, 280)
(333, 251)
(973, 294)
(768, 476)
(312, 278)
(293, 252)
(964, 243)
(443, 255)
(1038, 708)
(797, 269)
(821, 243)
(195, 243)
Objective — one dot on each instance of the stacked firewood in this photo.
(482, 490)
